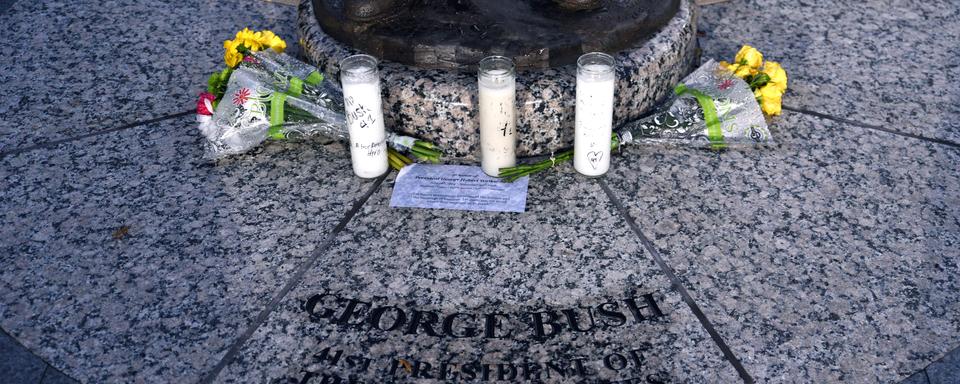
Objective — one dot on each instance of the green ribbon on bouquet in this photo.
(314, 78)
(714, 132)
(296, 86)
(277, 101)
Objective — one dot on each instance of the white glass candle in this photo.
(595, 84)
(498, 116)
(361, 95)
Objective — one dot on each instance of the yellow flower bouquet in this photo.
(267, 94)
(768, 80)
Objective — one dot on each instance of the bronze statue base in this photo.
(455, 34)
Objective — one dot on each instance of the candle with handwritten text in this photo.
(498, 118)
(361, 95)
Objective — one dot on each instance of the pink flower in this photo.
(725, 84)
(241, 96)
(205, 104)
(249, 59)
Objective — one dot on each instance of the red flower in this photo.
(205, 104)
(725, 84)
(241, 96)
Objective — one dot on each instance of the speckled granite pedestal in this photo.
(440, 106)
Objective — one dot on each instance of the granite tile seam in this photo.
(43, 375)
(295, 279)
(940, 360)
(57, 142)
(871, 126)
(51, 375)
(677, 285)
(46, 364)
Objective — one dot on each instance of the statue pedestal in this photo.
(440, 105)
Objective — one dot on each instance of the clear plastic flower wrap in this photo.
(265, 100)
(710, 108)
(295, 76)
(255, 107)
(271, 61)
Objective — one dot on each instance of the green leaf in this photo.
(759, 80)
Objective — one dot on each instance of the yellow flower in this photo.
(232, 57)
(278, 44)
(778, 77)
(269, 39)
(243, 35)
(769, 98)
(250, 39)
(231, 45)
(230, 53)
(265, 36)
(742, 71)
(749, 56)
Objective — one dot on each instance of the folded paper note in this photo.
(457, 187)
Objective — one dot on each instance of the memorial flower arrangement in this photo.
(243, 45)
(265, 94)
(717, 106)
(768, 80)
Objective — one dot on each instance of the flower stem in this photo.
(511, 174)
(425, 151)
(397, 161)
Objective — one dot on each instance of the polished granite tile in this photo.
(127, 257)
(53, 376)
(76, 67)
(945, 370)
(17, 364)
(830, 257)
(569, 251)
(894, 64)
(916, 378)
(5, 5)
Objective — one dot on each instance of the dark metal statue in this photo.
(458, 33)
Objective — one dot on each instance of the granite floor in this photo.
(833, 257)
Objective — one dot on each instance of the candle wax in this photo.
(368, 145)
(498, 123)
(594, 119)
